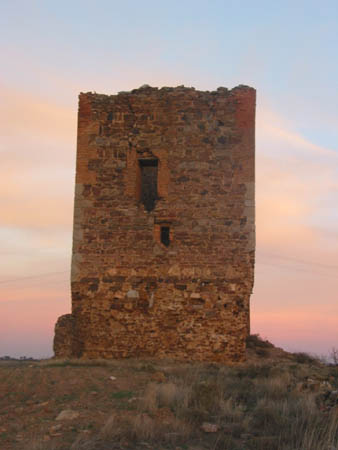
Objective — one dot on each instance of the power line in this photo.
(301, 261)
(32, 277)
(270, 255)
(293, 269)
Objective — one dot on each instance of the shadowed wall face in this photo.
(164, 233)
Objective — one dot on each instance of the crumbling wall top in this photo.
(150, 90)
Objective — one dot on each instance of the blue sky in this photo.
(287, 50)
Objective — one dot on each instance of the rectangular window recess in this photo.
(165, 222)
(149, 194)
(165, 235)
(148, 162)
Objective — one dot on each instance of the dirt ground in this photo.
(33, 394)
(125, 403)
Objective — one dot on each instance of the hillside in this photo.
(275, 401)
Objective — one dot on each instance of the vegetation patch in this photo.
(273, 403)
(121, 395)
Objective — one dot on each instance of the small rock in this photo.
(41, 405)
(159, 377)
(209, 427)
(55, 428)
(55, 434)
(313, 385)
(334, 395)
(112, 378)
(67, 414)
(132, 294)
(325, 385)
(300, 386)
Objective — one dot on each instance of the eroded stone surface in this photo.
(64, 336)
(174, 280)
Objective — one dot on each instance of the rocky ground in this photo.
(275, 400)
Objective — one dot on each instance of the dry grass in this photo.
(255, 406)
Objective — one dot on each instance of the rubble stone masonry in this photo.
(164, 225)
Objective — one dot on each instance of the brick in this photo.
(172, 278)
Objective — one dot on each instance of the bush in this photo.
(255, 407)
(334, 355)
(254, 341)
(304, 358)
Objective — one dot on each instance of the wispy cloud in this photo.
(296, 185)
(38, 156)
(273, 127)
(294, 180)
(24, 114)
(296, 279)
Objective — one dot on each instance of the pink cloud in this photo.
(312, 330)
(36, 187)
(294, 177)
(28, 312)
(271, 125)
(24, 113)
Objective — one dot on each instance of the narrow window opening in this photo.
(149, 182)
(165, 236)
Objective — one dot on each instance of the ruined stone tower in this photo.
(164, 225)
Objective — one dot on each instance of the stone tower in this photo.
(164, 225)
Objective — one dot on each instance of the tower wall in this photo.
(134, 293)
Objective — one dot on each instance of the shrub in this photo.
(304, 358)
(254, 341)
(334, 355)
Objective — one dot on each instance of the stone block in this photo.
(164, 225)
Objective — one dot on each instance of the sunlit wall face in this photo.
(52, 51)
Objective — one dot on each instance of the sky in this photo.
(287, 50)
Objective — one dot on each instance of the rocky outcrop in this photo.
(64, 337)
